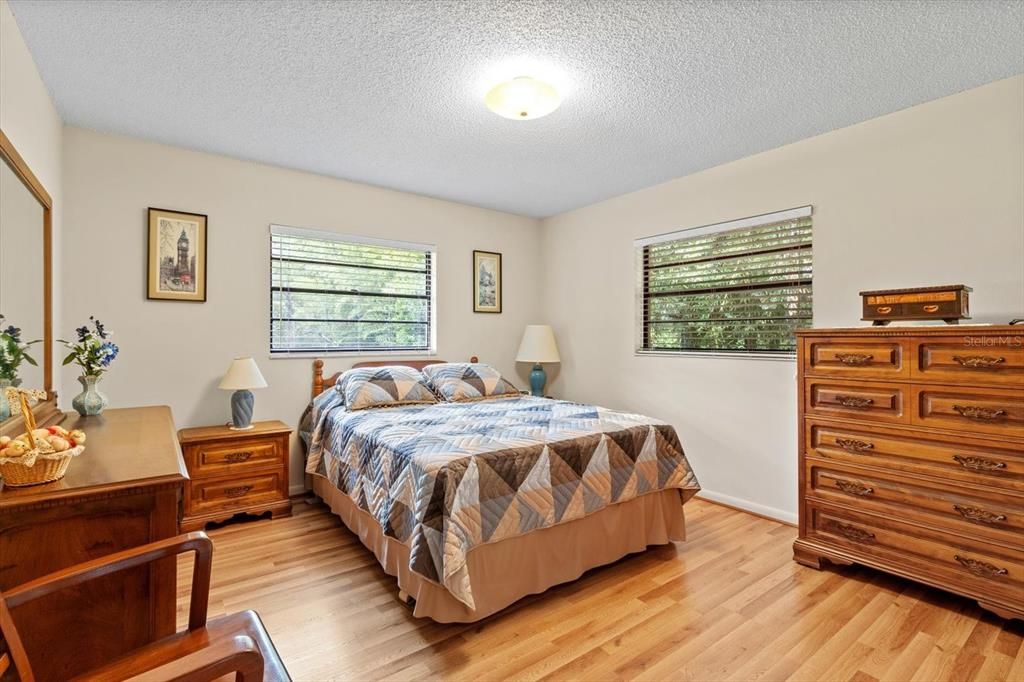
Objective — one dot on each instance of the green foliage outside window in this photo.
(335, 295)
(742, 290)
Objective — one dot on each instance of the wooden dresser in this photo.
(912, 456)
(235, 472)
(122, 492)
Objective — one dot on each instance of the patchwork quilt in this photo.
(448, 477)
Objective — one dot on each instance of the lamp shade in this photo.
(538, 345)
(243, 374)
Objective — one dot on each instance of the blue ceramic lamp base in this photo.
(241, 410)
(537, 380)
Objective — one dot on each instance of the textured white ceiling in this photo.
(390, 92)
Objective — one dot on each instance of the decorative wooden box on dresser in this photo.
(235, 472)
(122, 492)
(912, 456)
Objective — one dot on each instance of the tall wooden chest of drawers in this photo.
(911, 446)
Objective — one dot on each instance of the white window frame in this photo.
(751, 221)
(330, 235)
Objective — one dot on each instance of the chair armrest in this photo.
(238, 655)
(197, 542)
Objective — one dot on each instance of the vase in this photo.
(90, 401)
(5, 407)
(5, 404)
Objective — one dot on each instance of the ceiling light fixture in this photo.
(523, 98)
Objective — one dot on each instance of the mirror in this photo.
(25, 286)
(21, 268)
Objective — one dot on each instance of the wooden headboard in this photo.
(320, 384)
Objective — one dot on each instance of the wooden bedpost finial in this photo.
(474, 359)
(318, 377)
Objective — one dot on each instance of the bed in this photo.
(473, 505)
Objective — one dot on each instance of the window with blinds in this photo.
(742, 286)
(331, 292)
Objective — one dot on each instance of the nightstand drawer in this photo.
(215, 459)
(235, 492)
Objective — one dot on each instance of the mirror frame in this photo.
(45, 411)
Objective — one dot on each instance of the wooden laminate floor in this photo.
(727, 604)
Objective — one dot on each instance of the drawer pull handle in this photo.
(238, 456)
(978, 463)
(237, 492)
(854, 358)
(978, 515)
(978, 361)
(982, 568)
(985, 414)
(930, 308)
(883, 309)
(854, 445)
(854, 488)
(854, 402)
(852, 532)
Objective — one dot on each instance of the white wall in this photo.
(29, 119)
(929, 195)
(175, 352)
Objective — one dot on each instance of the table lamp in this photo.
(243, 374)
(538, 346)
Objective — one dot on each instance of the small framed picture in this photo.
(486, 282)
(176, 268)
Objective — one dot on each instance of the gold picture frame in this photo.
(176, 261)
(486, 282)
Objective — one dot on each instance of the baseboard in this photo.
(747, 506)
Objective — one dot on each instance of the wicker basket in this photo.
(35, 468)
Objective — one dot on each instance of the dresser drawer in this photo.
(966, 563)
(215, 459)
(996, 517)
(235, 492)
(975, 410)
(874, 401)
(870, 359)
(970, 359)
(974, 461)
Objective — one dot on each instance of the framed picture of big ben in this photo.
(176, 268)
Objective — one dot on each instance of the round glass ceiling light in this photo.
(523, 98)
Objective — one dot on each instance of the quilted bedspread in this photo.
(448, 477)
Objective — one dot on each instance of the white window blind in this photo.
(741, 286)
(332, 292)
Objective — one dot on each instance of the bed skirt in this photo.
(504, 572)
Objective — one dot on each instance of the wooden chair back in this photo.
(198, 543)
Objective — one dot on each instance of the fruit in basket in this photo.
(15, 448)
(58, 443)
(4, 441)
(37, 434)
(78, 436)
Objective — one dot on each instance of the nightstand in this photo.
(234, 472)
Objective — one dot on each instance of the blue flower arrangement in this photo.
(13, 352)
(94, 351)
